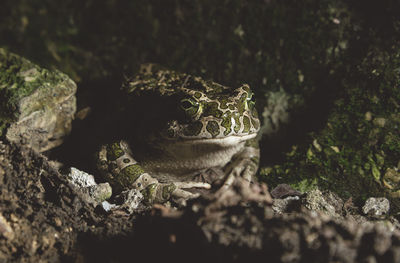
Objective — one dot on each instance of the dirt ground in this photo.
(45, 219)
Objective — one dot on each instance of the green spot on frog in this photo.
(149, 193)
(246, 88)
(211, 109)
(213, 128)
(255, 123)
(215, 87)
(167, 191)
(227, 124)
(197, 95)
(193, 129)
(223, 103)
(246, 124)
(237, 123)
(128, 176)
(114, 151)
(241, 103)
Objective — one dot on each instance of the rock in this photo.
(80, 178)
(316, 201)
(100, 192)
(286, 205)
(391, 181)
(86, 183)
(5, 228)
(131, 199)
(107, 206)
(284, 190)
(37, 105)
(376, 207)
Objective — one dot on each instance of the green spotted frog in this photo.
(180, 133)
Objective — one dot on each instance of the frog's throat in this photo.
(226, 142)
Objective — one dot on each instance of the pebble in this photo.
(80, 178)
(107, 206)
(378, 206)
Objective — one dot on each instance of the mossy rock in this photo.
(36, 105)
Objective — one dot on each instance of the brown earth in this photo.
(45, 219)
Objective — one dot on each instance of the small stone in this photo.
(80, 178)
(107, 206)
(284, 190)
(5, 228)
(100, 192)
(131, 200)
(86, 183)
(376, 206)
(57, 221)
(14, 218)
(288, 204)
(316, 201)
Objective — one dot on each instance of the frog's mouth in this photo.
(231, 140)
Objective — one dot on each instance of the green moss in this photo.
(19, 78)
(359, 142)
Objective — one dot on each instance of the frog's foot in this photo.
(210, 175)
(123, 172)
(156, 192)
(183, 185)
(180, 196)
(245, 168)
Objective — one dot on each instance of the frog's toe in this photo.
(210, 175)
(192, 185)
(244, 168)
(180, 194)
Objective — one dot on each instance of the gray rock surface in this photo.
(287, 204)
(99, 192)
(80, 178)
(315, 200)
(131, 199)
(36, 105)
(376, 206)
(86, 183)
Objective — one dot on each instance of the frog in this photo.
(180, 133)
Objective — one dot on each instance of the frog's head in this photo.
(195, 109)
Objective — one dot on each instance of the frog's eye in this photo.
(190, 106)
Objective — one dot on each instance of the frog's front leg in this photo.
(117, 165)
(244, 164)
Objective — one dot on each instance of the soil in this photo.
(46, 219)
